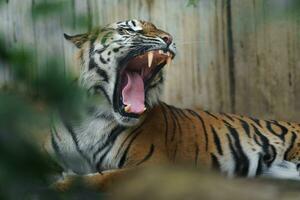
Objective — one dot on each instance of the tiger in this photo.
(128, 126)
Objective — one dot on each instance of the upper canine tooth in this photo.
(160, 51)
(150, 58)
(169, 61)
(168, 54)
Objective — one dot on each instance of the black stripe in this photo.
(180, 114)
(149, 154)
(99, 87)
(99, 162)
(54, 145)
(175, 152)
(211, 115)
(174, 124)
(242, 161)
(117, 49)
(146, 39)
(54, 131)
(281, 135)
(259, 169)
(102, 74)
(127, 24)
(292, 142)
(91, 51)
(92, 64)
(185, 115)
(102, 59)
(104, 115)
(264, 140)
(196, 153)
(234, 153)
(128, 136)
(133, 23)
(268, 150)
(58, 152)
(228, 116)
(75, 140)
(272, 155)
(92, 48)
(256, 121)
(124, 156)
(215, 163)
(217, 140)
(174, 114)
(246, 127)
(110, 139)
(203, 125)
(100, 51)
(166, 123)
(226, 123)
(257, 141)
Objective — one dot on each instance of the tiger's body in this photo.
(117, 135)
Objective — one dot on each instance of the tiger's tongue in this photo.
(133, 92)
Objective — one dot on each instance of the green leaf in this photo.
(193, 3)
(105, 37)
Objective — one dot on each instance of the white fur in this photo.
(283, 170)
(93, 129)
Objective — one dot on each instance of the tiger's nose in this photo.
(167, 39)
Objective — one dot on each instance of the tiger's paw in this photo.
(283, 170)
(66, 183)
(93, 181)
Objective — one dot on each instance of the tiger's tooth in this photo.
(169, 60)
(127, 108)
(150, 58)
(160, 62)
(168, 54)
(145, 109)
(160, 51)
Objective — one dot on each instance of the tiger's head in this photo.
(123, 62)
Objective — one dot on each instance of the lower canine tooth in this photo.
(160, 62)
(150, 58)
(127, 108)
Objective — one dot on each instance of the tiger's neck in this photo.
(82, 146)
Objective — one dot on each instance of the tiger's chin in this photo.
(126, 121)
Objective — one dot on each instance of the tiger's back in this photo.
(233, 144)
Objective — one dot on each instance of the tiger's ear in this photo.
(78, 40)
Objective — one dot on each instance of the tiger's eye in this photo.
(121, 30)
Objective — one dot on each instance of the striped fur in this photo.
(104, 140)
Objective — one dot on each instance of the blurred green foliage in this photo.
(193, 3)
(46, 9)
(26, 104)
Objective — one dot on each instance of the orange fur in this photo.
(172, 135)
(234, 144)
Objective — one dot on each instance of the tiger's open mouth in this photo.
(134, 78)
